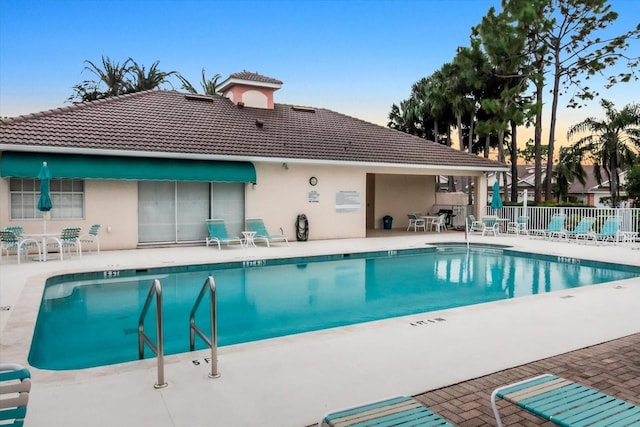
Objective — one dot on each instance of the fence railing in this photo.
(539, 217)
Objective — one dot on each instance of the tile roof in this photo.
(197, 125)
(255, 77)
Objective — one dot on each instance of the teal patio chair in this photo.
(91, 238)
(566, 403)
(218, 233)
(395, 411)
(474, 225)
(15, 384)
(582, 229)
(554, 228)
(69, 239)
(608, 232)
(11, 242)
(257, 225)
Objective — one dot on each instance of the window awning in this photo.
(73, 166)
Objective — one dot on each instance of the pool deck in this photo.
(292, 381)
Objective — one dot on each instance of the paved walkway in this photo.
(291, 381)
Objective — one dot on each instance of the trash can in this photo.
(387, 222)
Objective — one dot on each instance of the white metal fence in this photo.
(539, 217)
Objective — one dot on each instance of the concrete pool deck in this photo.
(292, 381)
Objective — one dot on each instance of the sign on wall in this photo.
(313, 196)
(347, 201)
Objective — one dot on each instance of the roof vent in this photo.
(195, 97)
(240, 104)
(259, 124)
(302, 108)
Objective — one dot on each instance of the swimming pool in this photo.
(90, 319)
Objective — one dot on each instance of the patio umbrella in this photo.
(496, 201)
(44, 202)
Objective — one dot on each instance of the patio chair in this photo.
(92, 237)
(11, 242)
(15, 384)
(257, 225)
(416, 222)
(608, 232)
(519, 226)
(438, 223)
(395, 411)
(554, 228)
(474, 225)
(566, 403)
(582, 229)
(69, 239)
(490, 224)
(218, 233)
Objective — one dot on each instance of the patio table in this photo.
(43, 237)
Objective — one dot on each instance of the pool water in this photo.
(91, 319)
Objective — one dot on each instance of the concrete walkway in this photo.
(292, 381)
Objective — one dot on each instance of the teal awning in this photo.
(74, 166)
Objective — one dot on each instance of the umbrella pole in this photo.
(44, 222)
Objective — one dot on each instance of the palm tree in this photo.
(112, 75)
(144, 80)
(611, 142)
(208, 85)
(568, 169)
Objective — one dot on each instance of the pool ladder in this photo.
(156, 291)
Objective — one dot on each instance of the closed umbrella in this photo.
(44, 202)
(496, 201)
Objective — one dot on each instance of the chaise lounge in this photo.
(218, 233)
(396, 411)
(257, 225)
(566, 403)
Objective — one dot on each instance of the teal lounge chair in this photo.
(218, 233)
(608, 231)
(257, 225)
(582, 229)
(474, 225)
(15, 384)
(566, 403)
(396, 411)
(554, 228)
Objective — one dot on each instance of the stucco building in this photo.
(151, 167)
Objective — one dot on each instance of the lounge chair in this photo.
(583, 228)
(490, 224)
(566, 403)
(396, 411)
(92, 237)
(257, 225)
(218, 233)
(554, 228)
(416, 222)
(15, 384)
(519, 226)
(11, 242)
(608, 232)
(438, 223)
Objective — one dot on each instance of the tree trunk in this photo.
(537, 138)
(514, 163)
(487, 144)
(552, 124)
(470, 148)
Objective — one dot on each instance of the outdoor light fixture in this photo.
(285, 166)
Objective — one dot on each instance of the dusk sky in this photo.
(355, 57)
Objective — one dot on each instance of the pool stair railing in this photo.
(209, 285)
(158, 349)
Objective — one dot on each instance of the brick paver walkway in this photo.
(612, 367)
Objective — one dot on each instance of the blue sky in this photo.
(352, 56)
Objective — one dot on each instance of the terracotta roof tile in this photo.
(173, 122)
(255, 77)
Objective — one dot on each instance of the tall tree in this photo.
(569, 169)
(576, 50)
(612, 142)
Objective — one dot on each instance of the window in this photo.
(67, 196)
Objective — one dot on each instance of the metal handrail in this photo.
(155, 290)
(209, 285)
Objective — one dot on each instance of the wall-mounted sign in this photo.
(347, 201)
(313, 196)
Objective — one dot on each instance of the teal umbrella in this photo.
(44, 202)
(496, 201)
